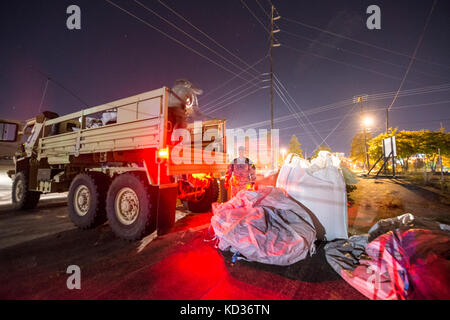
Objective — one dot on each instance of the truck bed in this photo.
(141, 124)
(141, 134)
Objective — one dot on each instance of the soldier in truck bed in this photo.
(183, 103)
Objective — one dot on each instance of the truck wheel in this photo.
(22, 198)
(87, 198)
(203, 204)
(223, 192)
(129, 207)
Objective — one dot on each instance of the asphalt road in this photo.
(37, 246)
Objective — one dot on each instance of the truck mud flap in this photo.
(167, 201)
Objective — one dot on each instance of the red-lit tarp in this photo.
(408, 258)
(264, 226)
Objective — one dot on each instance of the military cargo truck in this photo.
(115, 162)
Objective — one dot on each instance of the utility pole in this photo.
(365, 138)
(272, 45)
(387, 120)
(271, 70)
(360, 99)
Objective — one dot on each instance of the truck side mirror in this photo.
(8, 131)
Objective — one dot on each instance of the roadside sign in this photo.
(389, 146)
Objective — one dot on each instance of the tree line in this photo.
(409, 144)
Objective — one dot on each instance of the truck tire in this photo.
(87, 199)
(129, 207)
(204, 203)
(223, 192)
(22, 198)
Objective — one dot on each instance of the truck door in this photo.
(10, 138)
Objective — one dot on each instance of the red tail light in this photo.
(163, 153)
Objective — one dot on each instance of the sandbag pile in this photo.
(264, 226)
(401, 258)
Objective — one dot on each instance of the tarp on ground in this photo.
(408, 258)
(404, 222)
(319, 186)
(264, 226)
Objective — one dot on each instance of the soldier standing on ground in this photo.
(241, 173)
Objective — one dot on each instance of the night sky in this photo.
(114, 56)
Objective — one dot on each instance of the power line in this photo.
(425, 121)
(291, 109)
(218, 44)
(376, 110)
(415, 105)
(173, 39)
(262, 8)
(207, 106)
(215, 108)
(205, 34)
(298, 107)
(192, 37)
(346, 115)
(234, 101)
(356, 53)
(229, 80)
(43, 94)
(249, 10)
(314, 122)
(288, 105)
(345, 63)
(420, 105)
(360, 42)
(170, 37)
(348, 102)
(301, 134)
(210, 108)
(414, 54)
(376, 128)
(403, 93)
(59, 84)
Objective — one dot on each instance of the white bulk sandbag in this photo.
(321, 189)
(285, 170)
(292, 161)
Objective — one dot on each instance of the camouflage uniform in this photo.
(241, 174)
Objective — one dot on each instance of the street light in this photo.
(367, 121)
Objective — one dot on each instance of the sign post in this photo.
(389, 151)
